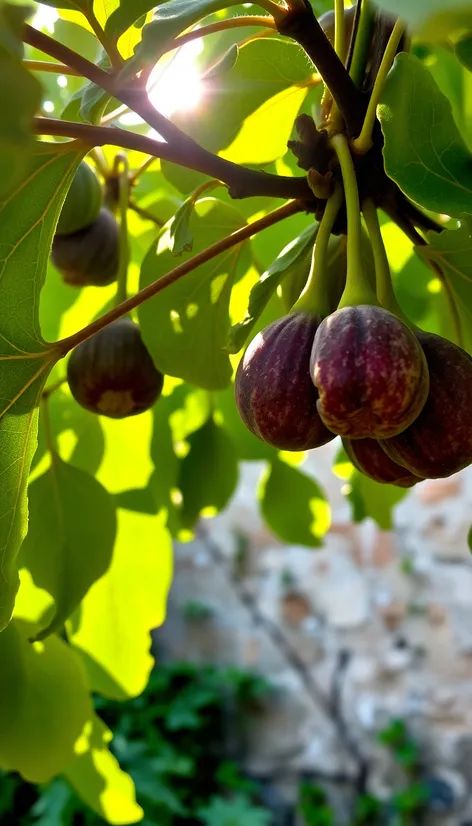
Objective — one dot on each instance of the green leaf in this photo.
(96, 777)
(372, 500)
(208, 473)
(27, 220)
(186, 326)
(293, 505)
(20, 94)
(111, 628)
(469, 538)
(432, 20)
(171, 18)
(291, 260)
(424, 152)
(44, 703)
(180, 232)
(236, 811)
(72, 527)
(463, 51)
(451, 250)
(85, 6)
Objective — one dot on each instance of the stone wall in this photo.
(374, 625)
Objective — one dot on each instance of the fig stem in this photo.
(221, 25)
(362, 42)
(357, 289)
(62, 347)
(383, 278)
(122, 167)
(339, 30)
(314, 297)
(363, 142)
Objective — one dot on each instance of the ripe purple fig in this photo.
(112, 373)
(90, 256)
(274, 394)
(370, 372)
(368, 457)
(439, 442)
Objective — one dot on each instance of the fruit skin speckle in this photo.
(370, 372)
(439, 442)
(369, 458)
(274, 393)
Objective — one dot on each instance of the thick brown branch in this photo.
(301, 25)
(241, 182)
(251, 182)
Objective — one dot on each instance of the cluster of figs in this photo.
(112, 373)
(399, 397)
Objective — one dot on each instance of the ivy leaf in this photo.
(291, 260)
(112, 627)
(208, 473)
(293, 505)
(424, 152)
(452, 251)
(96, 777)
(186, 326)
(171, 18)
(20, 94)
(27, 220)
(44, 703)
(70, 540)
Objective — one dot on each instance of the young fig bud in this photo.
(370, 373)
(89, 257)
(112, 372)
(83, 202)
(274, 394)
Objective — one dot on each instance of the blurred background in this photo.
(300, 687)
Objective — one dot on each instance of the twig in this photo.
(62, 347)
(144, 213)
(331, 706)
(301, 25)
(48, 66)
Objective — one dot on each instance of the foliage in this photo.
(171, 740)
(230, 213)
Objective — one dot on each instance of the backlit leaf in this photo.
(44, 703)
(424, 152)
(27, 220)
(72, 527)
(112, 627)
(293, 505)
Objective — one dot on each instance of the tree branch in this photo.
(301, 25)
(62, 347)
(241, 182)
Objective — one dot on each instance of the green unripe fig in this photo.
(83, 202)
(112, 373)
(89, 257)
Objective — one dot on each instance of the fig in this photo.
(89, 257)
(274, 394)
(369, 458)
(370, 372)
(83, 202)
(112, 372)
(439, 442)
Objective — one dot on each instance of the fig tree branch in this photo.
(62, 347)
(241, 182)
(301, 25)
(48, 66)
